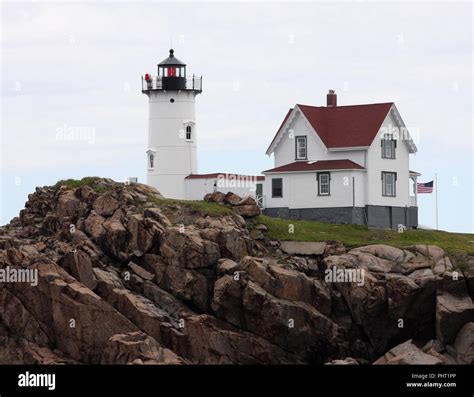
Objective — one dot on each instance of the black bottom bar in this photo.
(228, 380)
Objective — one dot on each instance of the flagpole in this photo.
(436, 187)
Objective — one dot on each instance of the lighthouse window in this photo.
(171, 100)
(188, 132)
(151, 161)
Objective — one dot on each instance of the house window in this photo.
(188, 132)
(277, 187)
(388, 146)
(301, 148)
(324, 179)
(151, 161)
(389, 180)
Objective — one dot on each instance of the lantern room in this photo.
(172, 67)
(172, 72)
(171, 76)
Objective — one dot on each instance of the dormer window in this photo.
(301, 148)
(388, 146)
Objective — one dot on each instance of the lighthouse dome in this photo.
(171, 60)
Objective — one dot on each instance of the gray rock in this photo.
(303, 247)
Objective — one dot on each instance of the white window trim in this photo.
(191, 124)
(388, 143)
(304, 139)
(321, 184)
(273, 179)
(151, 154)
(393, 185)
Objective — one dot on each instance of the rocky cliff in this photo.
(124, 276)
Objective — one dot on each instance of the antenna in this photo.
(171, 40)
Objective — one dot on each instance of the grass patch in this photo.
(356, 235)
(93, 181)
(201, 206)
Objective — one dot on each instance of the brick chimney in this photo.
(331, 98)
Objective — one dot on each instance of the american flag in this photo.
(425, 187)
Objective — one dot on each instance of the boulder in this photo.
(188, 285)
(294, 326)
(140, 311)
(211, 341)
(144, 234)
(407, 354)
(226, 266)
(216, 197)
(248, 211)
(107, 281)
(430, 251)
(157, 215)
(116, 236)
(81, 321)
(137, 348)
(464, 344)
(141, 272)
(232, 198)
(227, 301)
(105, 205)
(79, 265)
(452, 313)
(247, 201)
(383, 251)
(188, 249)
(303, 247)
(69, 206)
(469, 276)
(94, 226)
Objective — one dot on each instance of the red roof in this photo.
(322, 165)
(226, 175)
(345, 126)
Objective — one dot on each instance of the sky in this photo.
(79, 65)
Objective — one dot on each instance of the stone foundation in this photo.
(370, 215)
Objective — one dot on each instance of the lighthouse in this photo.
(172, 140)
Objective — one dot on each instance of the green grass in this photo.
(203, 207)
(355, 235)
(91, 181)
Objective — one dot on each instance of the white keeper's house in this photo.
(339, 164)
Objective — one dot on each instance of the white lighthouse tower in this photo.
(172, 139)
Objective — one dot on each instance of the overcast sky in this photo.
(79, 65)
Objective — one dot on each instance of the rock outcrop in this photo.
(246, 207)
(124, 277)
